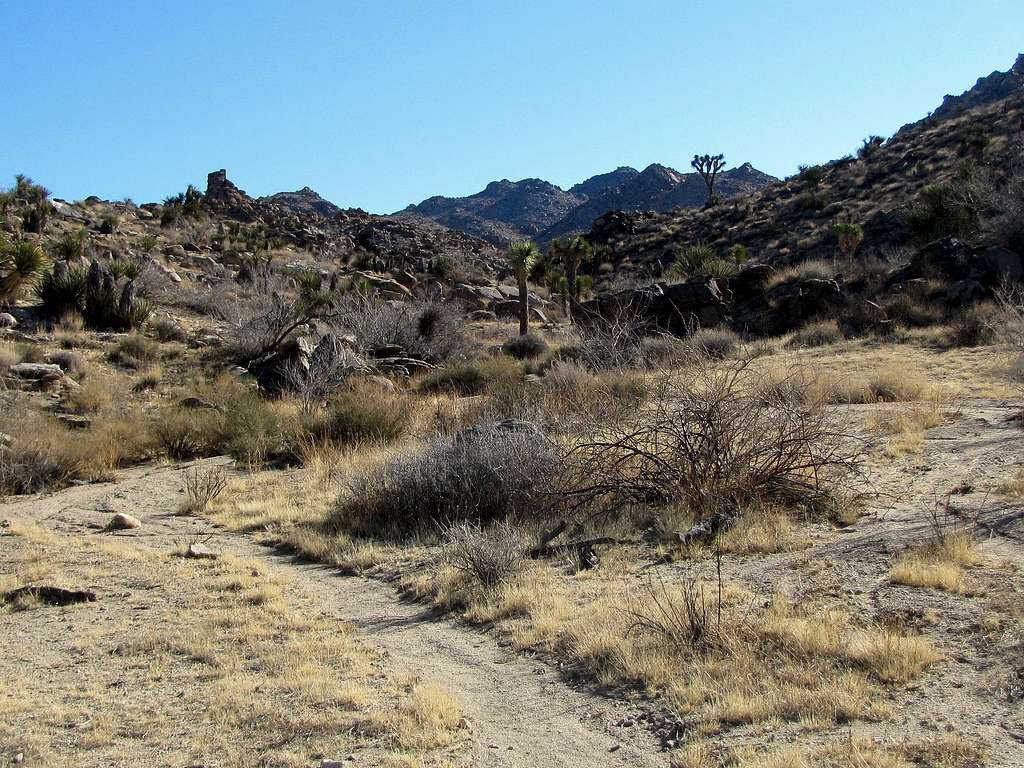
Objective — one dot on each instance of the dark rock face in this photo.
(954, 260)
(674, 308)
(225, 198)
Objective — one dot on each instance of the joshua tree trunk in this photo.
(524, 304)
(570, 291)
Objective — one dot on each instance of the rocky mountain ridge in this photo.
(505, 211)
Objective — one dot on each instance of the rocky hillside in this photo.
(506, 211)
(793, 220)
(307, 221)
(657, 188)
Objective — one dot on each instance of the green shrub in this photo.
(254, 430)
(186, 433)
(942, 210)
(71, 246)
(134, 351)
(360, 416)
(472, 377)
(21, 264)
(525, 347)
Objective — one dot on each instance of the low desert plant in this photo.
(483, 474)
(189, 433)
(490, 556)
(711, 442)
(202, 487)
(817, 334)
(135, 351)
(362, 416)
(716, 343)
(525, 347)
(472, 377)
(61, 293)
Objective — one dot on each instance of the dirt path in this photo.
(521, 712)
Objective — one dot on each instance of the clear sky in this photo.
(380, 104)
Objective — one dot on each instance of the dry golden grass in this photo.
(937, 564)
(1014, 486)
(905, 427)
(293, 511)
(824, 667)
(254, 668)
(974, 371)
(762, 531)
(854, 751)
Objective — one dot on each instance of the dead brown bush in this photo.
(714, 443)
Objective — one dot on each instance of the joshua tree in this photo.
(709, 166)
(849, 237)
(522, 256)
(572, 254)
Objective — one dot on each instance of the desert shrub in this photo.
(717, 343)
(665, 351)
(135, 351)
(255, 431)
(817, 334)
(166, 329)
(62, 292)
(490, 556)
(813, 200)
(525, 347)
(912, 311)
(711, 442)
(472, 377)
(45, 455)
(202, 487)
(69, 362)
(811, 175)
(36, 460)
(433, 330)
(361, 416)
(93, 396)
(942, 210)
(110, 305)
(692, 260)
(978, 325)
(150, 378)
(485, 474)
(71, 245)
(609, 342)
(189, 433)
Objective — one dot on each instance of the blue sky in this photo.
(382, 104)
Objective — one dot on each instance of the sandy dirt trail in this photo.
(521, 711)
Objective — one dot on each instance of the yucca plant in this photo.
(849, 237)
(128, 269)
(62, 291)
(71, 246)
(719, 268)
(522, 256)
(692, 260)
(21, 264)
